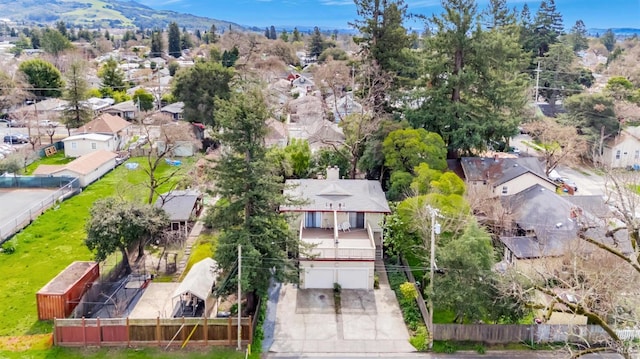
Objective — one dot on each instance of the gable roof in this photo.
(176, 107)
(497, 171)
(105, 123)
(200, 279)
(345, 195)
(126, 106)
(178, 204)
(82, 165)
(88, 136)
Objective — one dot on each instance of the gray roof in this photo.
(178, 204)
(500, 170)
(552, 220)
(126, 106)
(175, 107)
(200, 280)
(343, 195)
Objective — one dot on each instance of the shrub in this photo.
(8, 248)
(376, 281)
(420, 339)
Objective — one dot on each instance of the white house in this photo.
(82, 144)
(623, 150)
(342, 220)
(87, 168)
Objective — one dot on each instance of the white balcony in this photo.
(330, 243)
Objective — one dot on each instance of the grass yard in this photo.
(51, 243)
(57, 159)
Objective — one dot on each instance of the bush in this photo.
(376, 281)
(420, 339)
(8, 248)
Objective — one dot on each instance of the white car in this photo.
(47, 123)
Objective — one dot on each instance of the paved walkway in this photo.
(305, 321)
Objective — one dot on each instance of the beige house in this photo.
(504, 176)
(623, 150)
(341, 220)
(80, 145)
(87, 168)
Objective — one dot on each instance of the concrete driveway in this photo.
(369, 322)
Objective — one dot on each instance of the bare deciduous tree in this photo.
(558, 144)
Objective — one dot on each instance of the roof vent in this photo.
(559, 224)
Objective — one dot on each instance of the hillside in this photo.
(101, 14)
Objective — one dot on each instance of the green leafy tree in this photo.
(620, 88)
(200, 87)
(143, 99)
(212, 36)
(117, 225)
(77, 112)
(406, 149)
(578, 36)
(559, 76)
(299, 156)
(53, 42)
(230, 57)
(608, 40)
(185, 41)
(173, 68)
(295, 35)
(45, 78)
(174, 40)
(467, 285)
(284, 35)
(245, 179)
(112, 78)
(593, 114)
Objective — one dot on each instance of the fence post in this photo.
(229, 329)
(84, 334)
(251, 329)
(55, 331)
(128, 334)
(99, 332)
(158, 330)
(206, 331)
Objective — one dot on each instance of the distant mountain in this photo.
(101, 14)
(622, 32)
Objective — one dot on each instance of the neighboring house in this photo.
(304, 83)
(174, 110)
(276, 134)
(127, 110)
(87, 168)
(504, 176)
(343, 106)
(306, 122)
(342, 220)
(107, 124)
(623, 150)
(182, 207)
(545, 225)
(99, 104)
(80, 145)
(49, 109)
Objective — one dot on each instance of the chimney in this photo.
(333, 173)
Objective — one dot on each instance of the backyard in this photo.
(52, 242)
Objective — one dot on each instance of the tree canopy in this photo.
(45, 79)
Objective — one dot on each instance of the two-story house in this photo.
(341, 221)
(623, 150)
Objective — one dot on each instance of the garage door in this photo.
(319, 278)
(353, 278)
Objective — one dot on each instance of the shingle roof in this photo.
(88, 136)
(82, 165)
(176, 107)
(346, 195)
(178, 204)
(105, 123)
(500, 170)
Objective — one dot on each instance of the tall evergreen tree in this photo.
(608, 40)
(296, 35)
(272, 33)
(578, 36)
(77, 112)
(498, 14)
(266, 33)
(476, 90)
(547, 27)
(157, 45)
(212, 34)
(112, 78)
(54, 42)
(246, 182)
(174, 40)
(284, 36)
(316, 43)
(198, 34)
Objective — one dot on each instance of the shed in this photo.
(181, 207)
(193, 294)
(61, 295)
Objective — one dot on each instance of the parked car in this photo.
(15, 139)
(16, 123)
(47, 123)
(569, 183)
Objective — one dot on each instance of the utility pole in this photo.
(535, 96)
(435, 229)
(239, 297)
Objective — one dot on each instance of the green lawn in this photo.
(57, 159)
(51, 243)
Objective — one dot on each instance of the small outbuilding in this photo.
(62, 294)
(87, 168)
(182, 207)
(193, 295)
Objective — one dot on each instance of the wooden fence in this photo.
(171, 332)
(534, 333)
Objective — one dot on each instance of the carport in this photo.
(193, 295)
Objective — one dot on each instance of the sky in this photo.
(336, 14)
